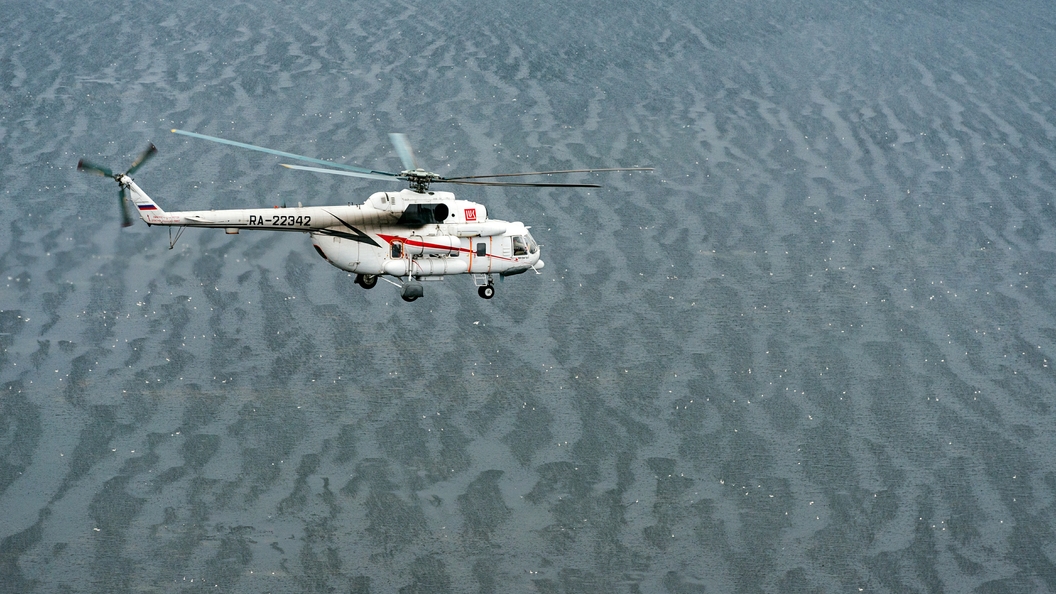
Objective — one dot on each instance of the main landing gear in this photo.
(367, 281)
(485, 285)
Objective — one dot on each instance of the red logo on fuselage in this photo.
(471, 214)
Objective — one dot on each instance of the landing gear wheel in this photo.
(367, 281)
(411, 290)
(487, 291)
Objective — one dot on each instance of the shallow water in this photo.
(810, 352)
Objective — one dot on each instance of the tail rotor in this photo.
(122, 179)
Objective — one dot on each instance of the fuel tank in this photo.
(427, 266)
(432, 245)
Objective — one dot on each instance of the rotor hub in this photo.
(419, 179)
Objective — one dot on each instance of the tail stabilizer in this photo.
(144, 204)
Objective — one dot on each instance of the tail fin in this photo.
(148, 209)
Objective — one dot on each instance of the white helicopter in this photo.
(412, 235)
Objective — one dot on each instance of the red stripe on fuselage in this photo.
(390, 239)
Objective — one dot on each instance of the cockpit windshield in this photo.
(532, 246)
(520, 246)
(524, 245)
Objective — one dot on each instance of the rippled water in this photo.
(811, 352)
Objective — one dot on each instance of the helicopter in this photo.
(412, 235)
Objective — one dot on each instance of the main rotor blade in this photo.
(516, 184)
(548, 173)
(280, 153)
(141, 159)
(372, 175)
(122, 203)
(88, 167)
(403, 149)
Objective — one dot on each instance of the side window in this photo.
(520, 247)
(482, 250)
(397, 249)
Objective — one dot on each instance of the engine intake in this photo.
(417, 215)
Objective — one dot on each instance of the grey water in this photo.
(811, 352)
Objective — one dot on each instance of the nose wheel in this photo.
(411, 290)
(486, 291)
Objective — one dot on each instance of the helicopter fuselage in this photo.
(405, 234)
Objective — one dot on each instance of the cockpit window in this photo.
(532, 246)
(520, 246)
